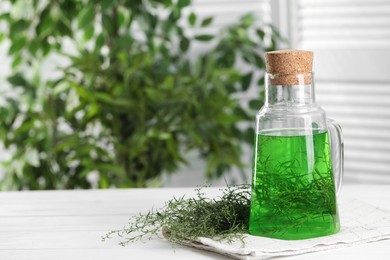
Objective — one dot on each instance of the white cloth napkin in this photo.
(360, 223)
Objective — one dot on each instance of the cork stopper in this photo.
(284, 65)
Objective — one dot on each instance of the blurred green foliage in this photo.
(124, 100)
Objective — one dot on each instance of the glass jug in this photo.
(296, 152)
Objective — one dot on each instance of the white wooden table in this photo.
(68, 225)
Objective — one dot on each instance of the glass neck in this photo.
(289, 90)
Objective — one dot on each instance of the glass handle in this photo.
(337, 148)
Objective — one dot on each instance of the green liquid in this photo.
(293, 192)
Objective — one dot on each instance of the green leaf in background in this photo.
(246, 81)
(192, 19)
(261, 81)
(88, 33)
(106, 4)
(108, 24)
(183, 3)
(259, 61)
(17, 80)
(5, 16)
(86, 16)
(46, 23)
(63, 28)
(260, 34)
(99, 42)
(184, 44)
(204, 37)
(256, 104)
(207, 21)
(17, 45)
(16, 62)
(16, 27)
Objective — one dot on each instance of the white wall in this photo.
(351, 42)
